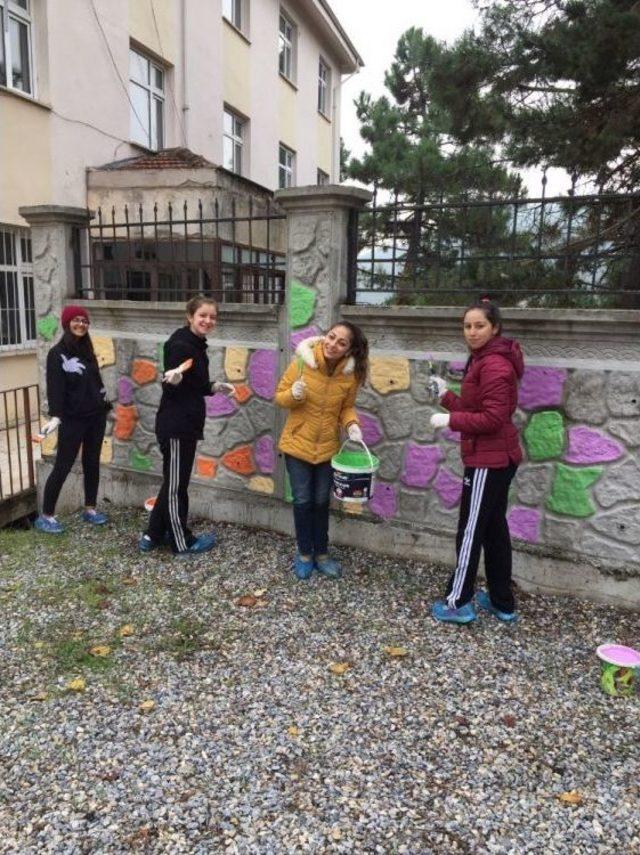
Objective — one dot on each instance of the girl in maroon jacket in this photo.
(491, 453)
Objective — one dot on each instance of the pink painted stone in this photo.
(263, 366)
(264, 453)
(449, 487)
(457, 366)
(370, 426)
(125, 390)
(420, 464)
(384, 501)
(590, 446)
(541, 387)
(219, 405)
(524, 523)
(451, 435)
(300, 335)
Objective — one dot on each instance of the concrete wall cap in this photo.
(322, 198)
(42, 214)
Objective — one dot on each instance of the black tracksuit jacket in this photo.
(181, 412)
(74, 385)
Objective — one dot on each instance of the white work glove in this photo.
(354, 432)
(299, 390)
(437, 387)
(50, 426)
(173, 376)
(439, 420)
(227, 389)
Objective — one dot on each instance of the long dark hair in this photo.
(359, 350)
(78, 345)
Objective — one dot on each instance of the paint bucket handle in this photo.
(363, 444)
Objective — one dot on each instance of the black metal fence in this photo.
(234, 255)
(572, 250)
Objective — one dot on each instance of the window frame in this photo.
(237, 140)
(324, 88)
(13, 11)
(237, 11)
(154, 96)
(322, 178)
(22, 271)
(287, 169)
(290, 47)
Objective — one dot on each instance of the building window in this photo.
(233, 133)
(16, 64)
(286, 47)
(17, 305)
(322, 178)
(232, 11)
(146, 93)
(324, 87)
(286, 167)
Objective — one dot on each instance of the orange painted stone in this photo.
(126, 421)
(143, 371)
(206, 467)
(240, 460)
(243, 393)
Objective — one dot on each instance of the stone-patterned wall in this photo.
(579, 487)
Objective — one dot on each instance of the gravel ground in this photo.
(481, 739)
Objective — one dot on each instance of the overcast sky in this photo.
(375, 26)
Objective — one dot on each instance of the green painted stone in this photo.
(569, 494)
(47, 327)
(544, 435)
(455, 387)
(141, 462)
(288, 495)
(302, 304)
(161, 358)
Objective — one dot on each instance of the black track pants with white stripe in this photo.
(170, 512)
(483, 525)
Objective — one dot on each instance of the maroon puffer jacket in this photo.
(487, 401)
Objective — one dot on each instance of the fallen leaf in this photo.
(146, 706)
(77, 635)
(259, 592)
(248, 601)
(38, 645)
(77, 685)
(339, 668)
(571, 797)
(336, 834)
(129, 580)
(100, 650)
(112, 775)
(127, 630)
(509, 720)
(103, 604)
(292, 730)
(396, 652)
(40, 696)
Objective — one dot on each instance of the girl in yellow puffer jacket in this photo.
(319, 389)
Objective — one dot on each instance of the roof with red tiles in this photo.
(166, 158)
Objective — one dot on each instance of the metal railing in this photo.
(560, 251)
(234, 256)
(19, 422)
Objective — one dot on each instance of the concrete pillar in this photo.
(317, 251)
(53, 232)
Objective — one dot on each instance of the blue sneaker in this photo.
(463, 614)
(201, 544)
(303, 568)
(328, 567)
(95, 517)
(484, 602)
(145, 544)
(49, 526)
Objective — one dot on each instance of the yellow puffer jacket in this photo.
(312, 430)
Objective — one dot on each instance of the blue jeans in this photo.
(311, 487)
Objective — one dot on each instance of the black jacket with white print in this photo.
(74, 385)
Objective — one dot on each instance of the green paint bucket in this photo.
(353, 473)
(620, 674)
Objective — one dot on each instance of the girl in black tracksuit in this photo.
(78, 408)
(179, 426)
